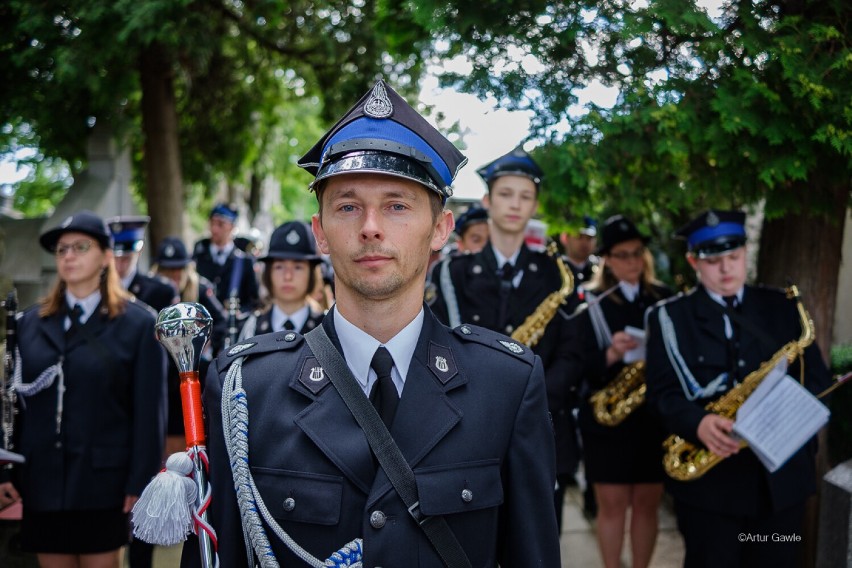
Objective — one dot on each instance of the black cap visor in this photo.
(718, 247)
(379, 163)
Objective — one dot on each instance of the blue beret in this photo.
(515, 163)
(225, 211)
(85, 222)
(714, 232)
(383, 134)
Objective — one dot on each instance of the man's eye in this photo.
(347, 208)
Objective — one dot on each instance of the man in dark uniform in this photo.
(504, 283)
(466, 406)
(579, 246)
(129, 234)
(219, 260)
(701, 345)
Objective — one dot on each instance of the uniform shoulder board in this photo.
(497, 341)
(200, 246)
(263, 343)
(134, 301)
(672, 299)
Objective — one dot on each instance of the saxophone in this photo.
(624, 394)
(531, 331)
(684, 461)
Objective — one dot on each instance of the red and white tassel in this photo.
(164, 512)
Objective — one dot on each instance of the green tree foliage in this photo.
(254, 82)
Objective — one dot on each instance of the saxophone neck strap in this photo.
(385, 449)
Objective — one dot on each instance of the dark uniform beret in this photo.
(172, 254)
(590, 227)
(714, 232)
(383, 134)
(618, 229)
(515, 163)
(292, 241)
(470, 217)
(85, 222)
(128, 232)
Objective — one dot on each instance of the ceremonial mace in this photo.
(183, 329)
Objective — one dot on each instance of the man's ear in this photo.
(319, 234)
(444, 225)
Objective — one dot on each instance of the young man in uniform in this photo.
(700, 346)
(466, 407)
(128, 231)
(219, 260)
(504, 283)
(579, 248)
(472, 230)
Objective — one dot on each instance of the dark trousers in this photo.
(715, 539)
(140, 554)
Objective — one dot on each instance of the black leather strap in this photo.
(387, 452)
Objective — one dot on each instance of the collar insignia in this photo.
(313, 376)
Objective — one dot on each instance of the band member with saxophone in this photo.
(701, 345)
(623, 462)
(465, 408)
(289, 276)
(504, 283)
(92, 401)
(219, 260)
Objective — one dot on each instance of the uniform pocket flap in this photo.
(301, 497)
(457, 488)
(107, 458)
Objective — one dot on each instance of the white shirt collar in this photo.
(628, 290)
(215, 250)
(501, 260)
(299, 317)
(359, 348)
(719, 299)
(89, 304)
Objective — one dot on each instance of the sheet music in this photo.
(779, 418)
(637, 353)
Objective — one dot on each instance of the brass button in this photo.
(289, 504)
(290, 336)
(467, 495)
(377, 519)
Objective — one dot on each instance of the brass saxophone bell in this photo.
(184, 329)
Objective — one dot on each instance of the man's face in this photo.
(126, 263)
(474, 238)
(379, 232)
(579, 247)
(511, 203)
(724, 274)
(220, 230)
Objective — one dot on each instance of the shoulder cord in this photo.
(43, 381)
(235, 425)
(249, 328)
(690, 386)
(596, 315)
(449, 293)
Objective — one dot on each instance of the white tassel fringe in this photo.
(163, 513)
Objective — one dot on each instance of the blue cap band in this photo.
(705, 234)
(392, 131)
(222, 211)
(129, 235)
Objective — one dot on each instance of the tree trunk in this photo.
(163, 177)
(255, 196)
(804, 249)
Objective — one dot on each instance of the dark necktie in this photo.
(384, 395)
(507, 274)
(732, 306)
(288, 325)
(75, 314)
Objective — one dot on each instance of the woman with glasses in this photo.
(622, 462)
(289, 277)
(92, 404)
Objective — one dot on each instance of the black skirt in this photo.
(74, 532)
(631, 452)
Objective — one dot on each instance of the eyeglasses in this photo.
(79, 248)
(637, 254)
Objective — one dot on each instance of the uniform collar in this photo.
(299, 317)
(359, 347)
(501, 260)
(88, 304)
(719, 299)
(628, 290)
(215, 250)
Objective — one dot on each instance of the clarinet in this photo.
(7, 390)
(233, 310)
